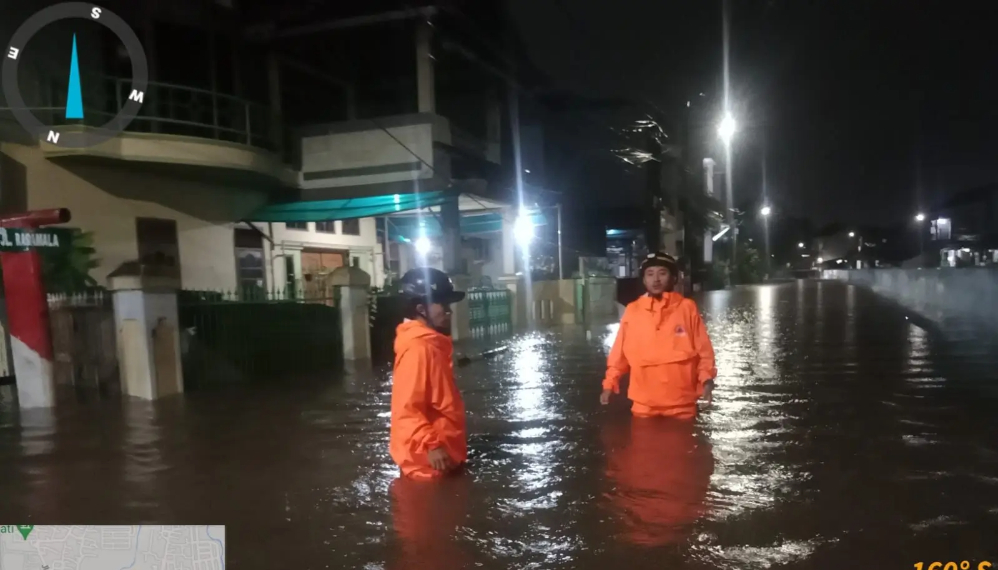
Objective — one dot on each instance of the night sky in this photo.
(865, 111)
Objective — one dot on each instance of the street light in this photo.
(852, 234)
(726, 129)
(523, 229)
(423, 245)
(766, 210)
(920, 217)
(800, 245)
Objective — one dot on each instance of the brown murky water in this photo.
(844, 436)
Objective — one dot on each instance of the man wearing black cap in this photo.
(662, 342)
(428, 438)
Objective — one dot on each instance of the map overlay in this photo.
(86, 547)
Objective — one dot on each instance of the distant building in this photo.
(963, 230)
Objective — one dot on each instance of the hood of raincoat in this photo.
(414, 331)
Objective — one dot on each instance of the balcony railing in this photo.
(175, 110)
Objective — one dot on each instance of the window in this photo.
(351, 227)
(157, 240)
(303, 226)
(250, 272)
(326, 227)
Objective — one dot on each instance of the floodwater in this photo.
(845, 435)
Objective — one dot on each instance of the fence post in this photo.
(355, 321)
(353, 286)
(147, 331)
(461, 313)
(517, 304)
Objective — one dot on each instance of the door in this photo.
(316, 267)
(251, 271)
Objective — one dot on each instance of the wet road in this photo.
(844, 435)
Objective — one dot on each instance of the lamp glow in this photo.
(766, 210)
(726, 130)
(523, 230)
(920, 217)
(423, 245)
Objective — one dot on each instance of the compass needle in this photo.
(74, 99)
(68, 132)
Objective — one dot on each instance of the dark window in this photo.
(351, 227)
(250, 264)
(158, 245)
(297, 225)
(325, 227)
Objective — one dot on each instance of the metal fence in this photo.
(387, 313)
(270, 337)
(84, 346)
(491, 312)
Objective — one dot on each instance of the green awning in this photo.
(348, 208)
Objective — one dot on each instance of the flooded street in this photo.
(843, 435)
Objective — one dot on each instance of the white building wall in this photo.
(289, 243)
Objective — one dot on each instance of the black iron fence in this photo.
(270, 337)
(387, 312)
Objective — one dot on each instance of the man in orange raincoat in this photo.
(428, 437)
(662, 342)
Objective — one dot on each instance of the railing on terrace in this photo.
(172, 109)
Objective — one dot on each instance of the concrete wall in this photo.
(553, 302)
(107, 199)
(937, 294)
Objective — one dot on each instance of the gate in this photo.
(490, 312)
(272, 338)
(84, 344)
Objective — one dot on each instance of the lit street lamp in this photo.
(766, 211)
(852, 234)
(423, 245)
(920, 217)
(800, 245)
(726, 129)
(523, 230)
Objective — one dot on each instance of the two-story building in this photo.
(253, 107)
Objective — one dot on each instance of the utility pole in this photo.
(561, 271)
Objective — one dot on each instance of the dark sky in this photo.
(866, 111)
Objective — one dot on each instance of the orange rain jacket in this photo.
(660, 472)
(427, 409)
(663, 343)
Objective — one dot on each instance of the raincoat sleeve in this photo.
(414, 396)
(706, 368)
(616, 363)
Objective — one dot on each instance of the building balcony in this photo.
(181, 130)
